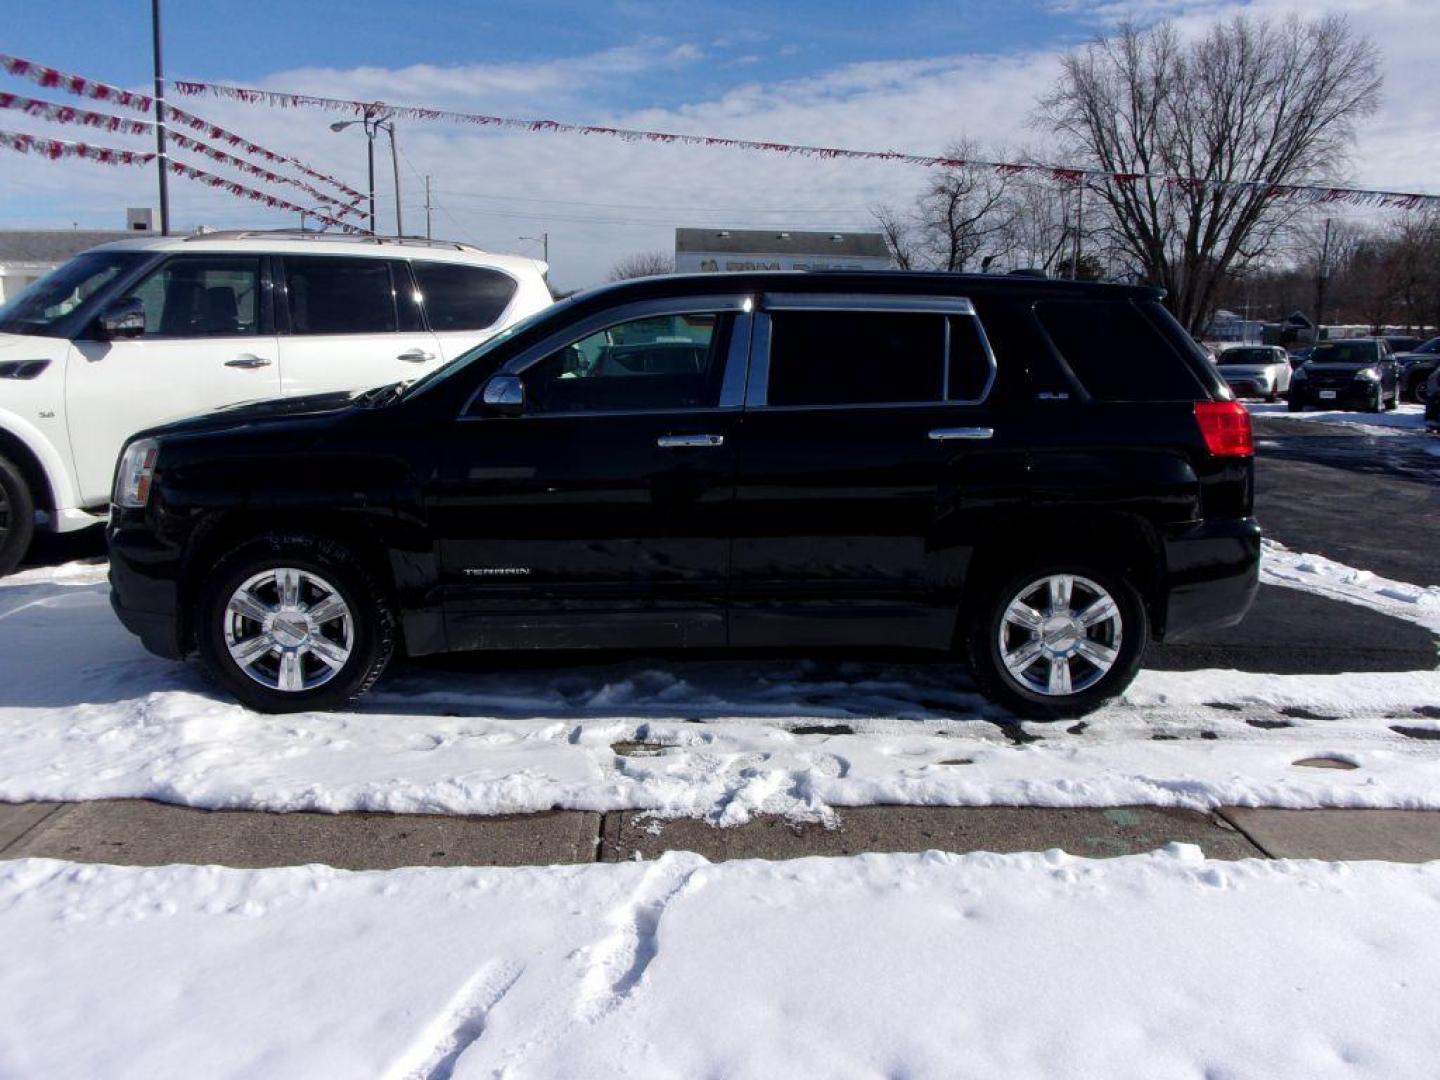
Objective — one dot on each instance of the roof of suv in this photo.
(294, 242)
(879, 282)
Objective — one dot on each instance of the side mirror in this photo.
(122, 319)
(504, 394)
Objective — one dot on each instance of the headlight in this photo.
(1298, 375)
(137, 469)
(1369, 374)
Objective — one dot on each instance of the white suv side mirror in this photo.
(122, 319)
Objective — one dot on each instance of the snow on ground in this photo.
(86, 713)
(1408, 419)
(1325, 577)
(1032, 965)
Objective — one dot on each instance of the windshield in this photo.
(38, 308)
(1345, 352)
(484, 349)
(1247, 356)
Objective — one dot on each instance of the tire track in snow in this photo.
(618, 961)
(462, 1024)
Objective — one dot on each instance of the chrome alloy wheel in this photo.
(1060, 635)
(288, 629)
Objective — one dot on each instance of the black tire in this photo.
(1394, 402)
(374, 626)
(982, 641)
(17, 517)
(1294, 406)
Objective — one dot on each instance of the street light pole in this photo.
(371, 123)
(161, 161)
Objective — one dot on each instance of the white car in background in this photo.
(1256, 371)
(135, 333)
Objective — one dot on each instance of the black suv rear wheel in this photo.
(292, 622)
(17, 517)
(1057, 639)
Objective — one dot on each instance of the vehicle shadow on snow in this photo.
(695, 685)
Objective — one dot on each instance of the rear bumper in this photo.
(1212, 575)
(143, 590)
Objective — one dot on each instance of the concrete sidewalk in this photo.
(138, 832)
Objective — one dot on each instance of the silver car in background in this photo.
(1256, 371)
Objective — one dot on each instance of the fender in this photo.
(53, 462)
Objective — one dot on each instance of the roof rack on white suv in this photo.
(308, 234)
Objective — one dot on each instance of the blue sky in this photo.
(913, 76)
(742, 40)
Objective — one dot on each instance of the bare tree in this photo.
(964, 216)
(898, 233)
(1253, 102)
(642, 264)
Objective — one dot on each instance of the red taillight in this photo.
(1226, 428)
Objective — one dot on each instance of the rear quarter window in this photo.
(1117, 352)
(458, 297)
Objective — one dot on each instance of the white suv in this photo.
(131, 334)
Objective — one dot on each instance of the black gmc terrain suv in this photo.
(1041, 476)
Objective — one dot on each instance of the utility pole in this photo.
(1322, 279)
(161, 161)
(1079, 228)
(427, 206)
(544, 241)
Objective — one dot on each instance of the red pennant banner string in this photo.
(91, 88)
(196, 146)
(68, 114)
(1064, 174)
(219, 134)
(240, 191)
(73, 84)
(55, 149)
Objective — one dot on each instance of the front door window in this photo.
(656, 364)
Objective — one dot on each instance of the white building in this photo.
(699, 251)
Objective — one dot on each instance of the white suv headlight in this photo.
(1369, 374)
(137, 469)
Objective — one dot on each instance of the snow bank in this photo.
(1034, 965)
(1408, 419)
(1325, 577)
(85, 713)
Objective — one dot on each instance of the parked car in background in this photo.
(133, 333)
(1403, 343)
(1299, 356)
(1416, 367)
(1255, 371)
(1353, 373)
(1041, 476)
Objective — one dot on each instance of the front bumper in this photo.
(1353, 395)
(1212, 575)
(1250, 387)
(143, 586)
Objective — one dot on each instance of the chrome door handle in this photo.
(248, 360)
(945, 434)
(670, 441)
(416, 356)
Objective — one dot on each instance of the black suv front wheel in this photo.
(290, 622)
(1058, 640)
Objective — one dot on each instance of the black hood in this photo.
(268, 411)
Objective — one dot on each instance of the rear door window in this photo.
(835, 358)
(339, 295)
(1116, 352)
(458, 297)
